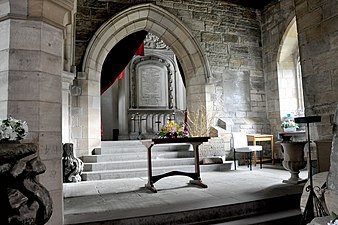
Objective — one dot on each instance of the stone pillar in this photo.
(31, 52)
(123, 107)
(67, 81)
(87, 113)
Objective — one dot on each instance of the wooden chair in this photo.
(239, 143)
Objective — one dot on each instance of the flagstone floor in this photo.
(125, 198)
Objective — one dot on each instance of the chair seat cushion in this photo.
(250, 148)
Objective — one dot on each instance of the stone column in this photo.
(67, 81)
(87, 113)
(31, 52)
(123, 107)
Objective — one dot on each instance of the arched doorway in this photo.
(147, 93)
(289, 74)
(153, 19)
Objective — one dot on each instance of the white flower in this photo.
(333, 222)
(12, 129)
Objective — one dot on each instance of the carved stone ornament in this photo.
(72, 166)
(153, 42)
(23, 200)
(152, 76)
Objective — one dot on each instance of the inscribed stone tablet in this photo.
(152, 86)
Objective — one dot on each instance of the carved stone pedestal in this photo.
(294, 160)
(23, 200)
(72, 166)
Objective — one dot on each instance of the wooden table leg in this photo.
(272, 152)
(255, 156)
(198, 180)
(150, 184)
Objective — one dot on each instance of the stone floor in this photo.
(127, 198)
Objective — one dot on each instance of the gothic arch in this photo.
(156, 20)
(151, 18)
(289, 73)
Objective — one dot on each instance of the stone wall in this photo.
(317, 27)
(318, 42)
(275, 20)
(230, 38)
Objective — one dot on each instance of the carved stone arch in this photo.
(151, 18)
(158, 21)
(289, 73)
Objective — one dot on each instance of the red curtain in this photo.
(139, 51)
(119, 57)
(111, 79)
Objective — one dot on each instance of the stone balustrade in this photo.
(148, 122)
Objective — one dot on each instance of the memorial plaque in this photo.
(152, 86)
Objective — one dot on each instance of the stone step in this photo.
(289, 217)
(136, 156)
(268, 211)
(139, 172)
(128, 159)
(127, 147)
(124, 143)
(134, 164)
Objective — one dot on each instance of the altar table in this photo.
(262, 137)
(194, 141)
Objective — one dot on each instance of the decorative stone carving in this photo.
(152, 83)
(154, 42)
(23, 201)
(72, 166)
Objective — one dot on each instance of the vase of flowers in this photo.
(289, 125)
(173, 130)
(12, 130)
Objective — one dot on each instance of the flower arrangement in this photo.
(289, 123)
(334, 221)
(12, 130)
(173, 130)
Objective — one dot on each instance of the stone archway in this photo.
(289, 73)
(147, 17)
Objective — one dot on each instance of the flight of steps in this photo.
(128, 159)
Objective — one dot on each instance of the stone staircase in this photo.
(128, 159)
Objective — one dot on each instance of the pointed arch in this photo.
(168, 28)
(151, 18)
(289, 73)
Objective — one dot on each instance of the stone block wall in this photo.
(317, 28)
(318, 43)
(275, 20)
